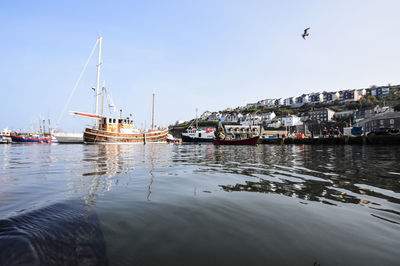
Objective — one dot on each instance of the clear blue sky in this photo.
(205, 54)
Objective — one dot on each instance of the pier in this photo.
(346, 140)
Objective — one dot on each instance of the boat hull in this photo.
(69, 137)
(23, 139)
(100, 136)
(249, 141)
(190, 139)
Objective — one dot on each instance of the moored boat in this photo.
(194, 134)
(247, 141)
(32, 138)
(5, 136)
(110, 129)
(69, 137)
(113, 130)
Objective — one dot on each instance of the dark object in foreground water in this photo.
(66, 233)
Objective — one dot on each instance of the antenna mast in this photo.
(102, 101)
(152, 115)
(98, 80)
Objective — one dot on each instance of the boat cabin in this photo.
(117, 125)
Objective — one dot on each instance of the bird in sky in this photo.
(305, 33)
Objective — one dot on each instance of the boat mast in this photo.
(102, 101)
(98, 80)
(152, 115)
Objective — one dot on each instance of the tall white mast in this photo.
(98, 80)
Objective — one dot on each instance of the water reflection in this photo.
(332, 175)
(105, 165)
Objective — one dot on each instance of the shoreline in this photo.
(346, 140)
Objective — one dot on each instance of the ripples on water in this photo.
(202, 204)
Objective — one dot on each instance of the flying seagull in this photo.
(305, 33)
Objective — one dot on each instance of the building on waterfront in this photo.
(215, 116)
(263, 103)
(329, 97)
(250, 119)
(344, 114)
(273, 123)
(370, 112)
(289, 101)
(205, 115)
(250, 105)
(299, 101)
(268, 116)
(233, 117)
(278, 102)
(387, 119)
(365, 113)
(351, 95)
(380, 91)
(242, 129)
(291, 120)
(321, 114)
(316, 98)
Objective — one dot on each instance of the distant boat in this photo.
(108, 129)
(243, 138)
(5, 136)
(68, 137)
(32, 138)
(194, 134)
(248, 141)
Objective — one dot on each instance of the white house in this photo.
(303, 99)
(278, 102)
(250, 119)
(215, 116)
(268, 116)
(261, 103)
(289, 101)
(270, 102)
(233, 117)
(351, 95)
(380, 91)
(330, 96)
(316, 97)
(205, 115)
(291, 120)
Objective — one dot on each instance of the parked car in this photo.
(384, 131)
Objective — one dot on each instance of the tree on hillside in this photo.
(369, 101)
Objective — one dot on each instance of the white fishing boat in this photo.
(5, 136)
(69, 137)
(194, 134)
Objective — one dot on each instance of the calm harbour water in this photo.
(199, 205)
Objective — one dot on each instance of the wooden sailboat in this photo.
(117, 130)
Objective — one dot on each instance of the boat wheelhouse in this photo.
(194, 134)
